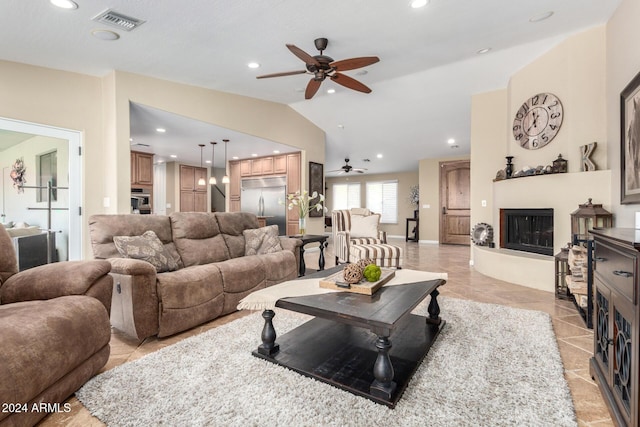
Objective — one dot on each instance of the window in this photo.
(382, 197)
(47, 165)
(346, 196)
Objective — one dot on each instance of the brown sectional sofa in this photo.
(214, 273)
(54, 332)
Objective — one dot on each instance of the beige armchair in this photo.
(357, 226)
(54, 332)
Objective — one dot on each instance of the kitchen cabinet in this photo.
(614, 364)
(234, 186)
(193, 197)
(256, 167)
(245, 168)
(293, 172)
(283, 164)
(267, 165)
(141, 168)
(280, 164)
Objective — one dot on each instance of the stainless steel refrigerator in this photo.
(266, 197)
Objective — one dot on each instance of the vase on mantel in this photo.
(302, 225)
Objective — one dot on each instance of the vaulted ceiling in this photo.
(421, 88)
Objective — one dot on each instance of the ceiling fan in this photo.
(322, 66)
(348, 168)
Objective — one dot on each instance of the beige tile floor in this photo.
(575, 341)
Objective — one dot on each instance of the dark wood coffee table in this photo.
(349, 342)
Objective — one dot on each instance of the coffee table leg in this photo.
(434, 309)
(383, 385)
(268, 346)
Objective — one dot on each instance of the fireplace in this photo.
(528, 230)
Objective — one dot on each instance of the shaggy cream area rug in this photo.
(490, 366)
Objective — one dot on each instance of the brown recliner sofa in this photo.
(213, 273)
(54, 333)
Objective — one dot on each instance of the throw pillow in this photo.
(147, 247)
(262, 240)
(364, 226)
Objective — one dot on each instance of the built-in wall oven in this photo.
(140, 201)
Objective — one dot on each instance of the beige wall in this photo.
(405, 209)
(489, 120)
(65, 100)
(99, 108)
(575, 72)
(622, 65)
(429, 178)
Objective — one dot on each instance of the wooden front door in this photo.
(455, 209)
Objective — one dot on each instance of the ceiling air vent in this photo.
(118, 20)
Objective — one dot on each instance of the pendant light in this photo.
(213, 180)
(225, 178)
(201, 181)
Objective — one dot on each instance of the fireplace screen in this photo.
(528, 230)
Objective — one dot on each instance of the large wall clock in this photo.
(538, 121)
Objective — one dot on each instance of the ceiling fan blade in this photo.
(312, 88)
(308, 59)
(286, 73)
(346, 81)
(353, 63)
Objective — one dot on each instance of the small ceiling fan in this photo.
(348, 168)
(322, 66)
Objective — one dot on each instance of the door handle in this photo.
(444, 210)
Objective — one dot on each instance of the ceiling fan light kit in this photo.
(201, 180)
(213, 180)
(323, 66)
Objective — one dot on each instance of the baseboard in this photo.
(430, 242)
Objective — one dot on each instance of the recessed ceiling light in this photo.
(253, 65)
(485, 50)
(64, 4)
(379, 156)
(235, 157)
(254, 155)
(276, 151)
(362, 73)
(299, 89)
(541, 17)
(173, 156)
(130, 139)
(451, 141)
(341, 126)
(207, 161)
(416, 4)
(331, 90)
(160, 160)
(106, 35)
(161, 130)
